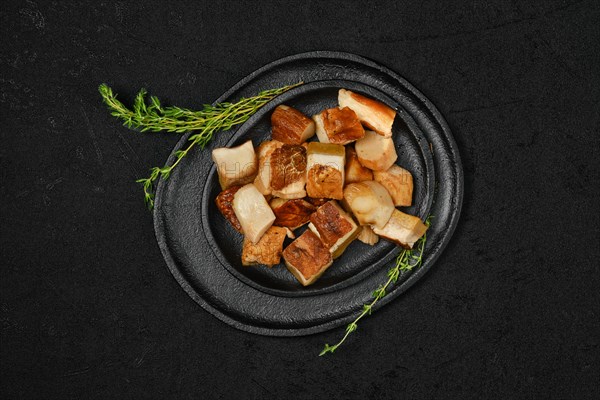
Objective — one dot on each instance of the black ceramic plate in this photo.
(203, 252)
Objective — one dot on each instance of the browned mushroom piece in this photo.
(338, 126)
(334, 227)
(291, 213)
(267, 251)
(290, 126)
(307, 258)
(325, 170)
(288, 172)
(263, 177)
(224, 202)
(372, 113)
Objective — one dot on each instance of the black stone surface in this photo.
(88, 309)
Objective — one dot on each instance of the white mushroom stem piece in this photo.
(376, 152)
(370, 203)
(235, 165)
(253, 212)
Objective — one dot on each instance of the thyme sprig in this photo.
(153, 116)
(407, 260)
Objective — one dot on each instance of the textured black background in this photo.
(88, 309)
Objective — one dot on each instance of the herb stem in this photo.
(403, 263)
(154, 117)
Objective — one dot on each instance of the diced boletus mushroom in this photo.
(370, 203)
(288, 172)
(355, 171)
(338, 126)
(291, 213)
(399, 182)
(325, 170)
(253, 212)
(224, 202)
(367, 236)
(402, 229)
(267, 251)
(263, 178)
(334, 227)
(290, 126)
(376, 152)
(307, 258)
(372, 113)
(235, 165)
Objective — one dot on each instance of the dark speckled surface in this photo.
(88, 309)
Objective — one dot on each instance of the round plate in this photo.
(203, 252)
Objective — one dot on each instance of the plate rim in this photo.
(444, 239)
(391, 254)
